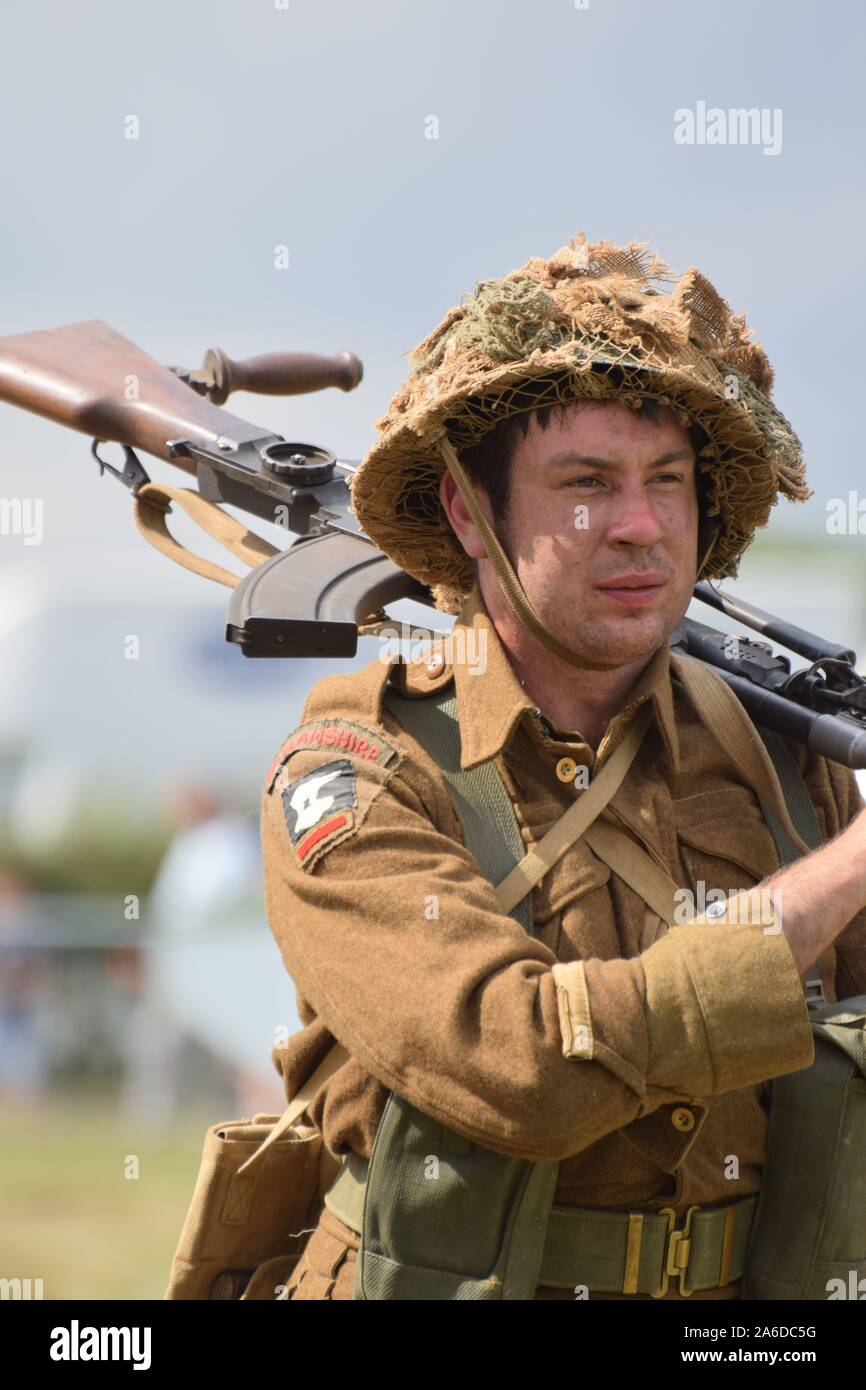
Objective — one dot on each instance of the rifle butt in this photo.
(90, 378)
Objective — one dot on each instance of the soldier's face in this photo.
(602, 528)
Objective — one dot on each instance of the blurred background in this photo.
(313, 177)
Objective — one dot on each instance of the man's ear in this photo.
(459, 518)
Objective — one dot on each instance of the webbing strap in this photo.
(797, 799)
(841, 1025)
(333, 1058)
(479, 795)
(631, 862)
(153, 501)
(766, 764)
(579, 817)
(509, 583)
(482, 802)
(724, 716)
(799, 803)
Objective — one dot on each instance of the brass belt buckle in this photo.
(676, 1252)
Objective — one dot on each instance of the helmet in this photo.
(593, 322)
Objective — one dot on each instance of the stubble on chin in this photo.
(621, 642)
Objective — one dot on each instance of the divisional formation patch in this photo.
(319, 807)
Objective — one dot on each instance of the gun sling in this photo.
(153, 501)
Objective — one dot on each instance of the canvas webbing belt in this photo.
(611, 1252)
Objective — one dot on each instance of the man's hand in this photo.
(821, 892)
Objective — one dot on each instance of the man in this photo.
(572, 449)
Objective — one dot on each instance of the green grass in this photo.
(70, 1216)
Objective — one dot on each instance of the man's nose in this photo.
(635, 522)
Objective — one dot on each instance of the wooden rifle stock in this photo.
(90, 378)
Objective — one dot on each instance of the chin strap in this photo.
(504, 571)
(717, 531)
(502, 568)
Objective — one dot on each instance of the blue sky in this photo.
(305, 126)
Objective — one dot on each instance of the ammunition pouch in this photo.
(809, 1237)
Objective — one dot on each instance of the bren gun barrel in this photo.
(822, 706)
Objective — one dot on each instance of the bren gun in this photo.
(309, 599)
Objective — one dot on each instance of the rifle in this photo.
(310, 599)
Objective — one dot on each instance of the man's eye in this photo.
(668, 477)
(590, 479)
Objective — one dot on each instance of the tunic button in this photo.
(435, 664)
(566, 769)
(682, 1119)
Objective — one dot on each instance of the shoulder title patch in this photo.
(340, 735)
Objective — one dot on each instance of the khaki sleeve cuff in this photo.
(572, 1001)
(725, 1004)
(575, 1024)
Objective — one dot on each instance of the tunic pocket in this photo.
(724, 841)
(577, 873)
(726, 844)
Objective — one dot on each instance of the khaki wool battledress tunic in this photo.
(399, 949)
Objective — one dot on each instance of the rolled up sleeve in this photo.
(725, 1003)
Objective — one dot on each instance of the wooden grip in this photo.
(278, 373)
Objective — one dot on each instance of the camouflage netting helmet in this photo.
(595, 321)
